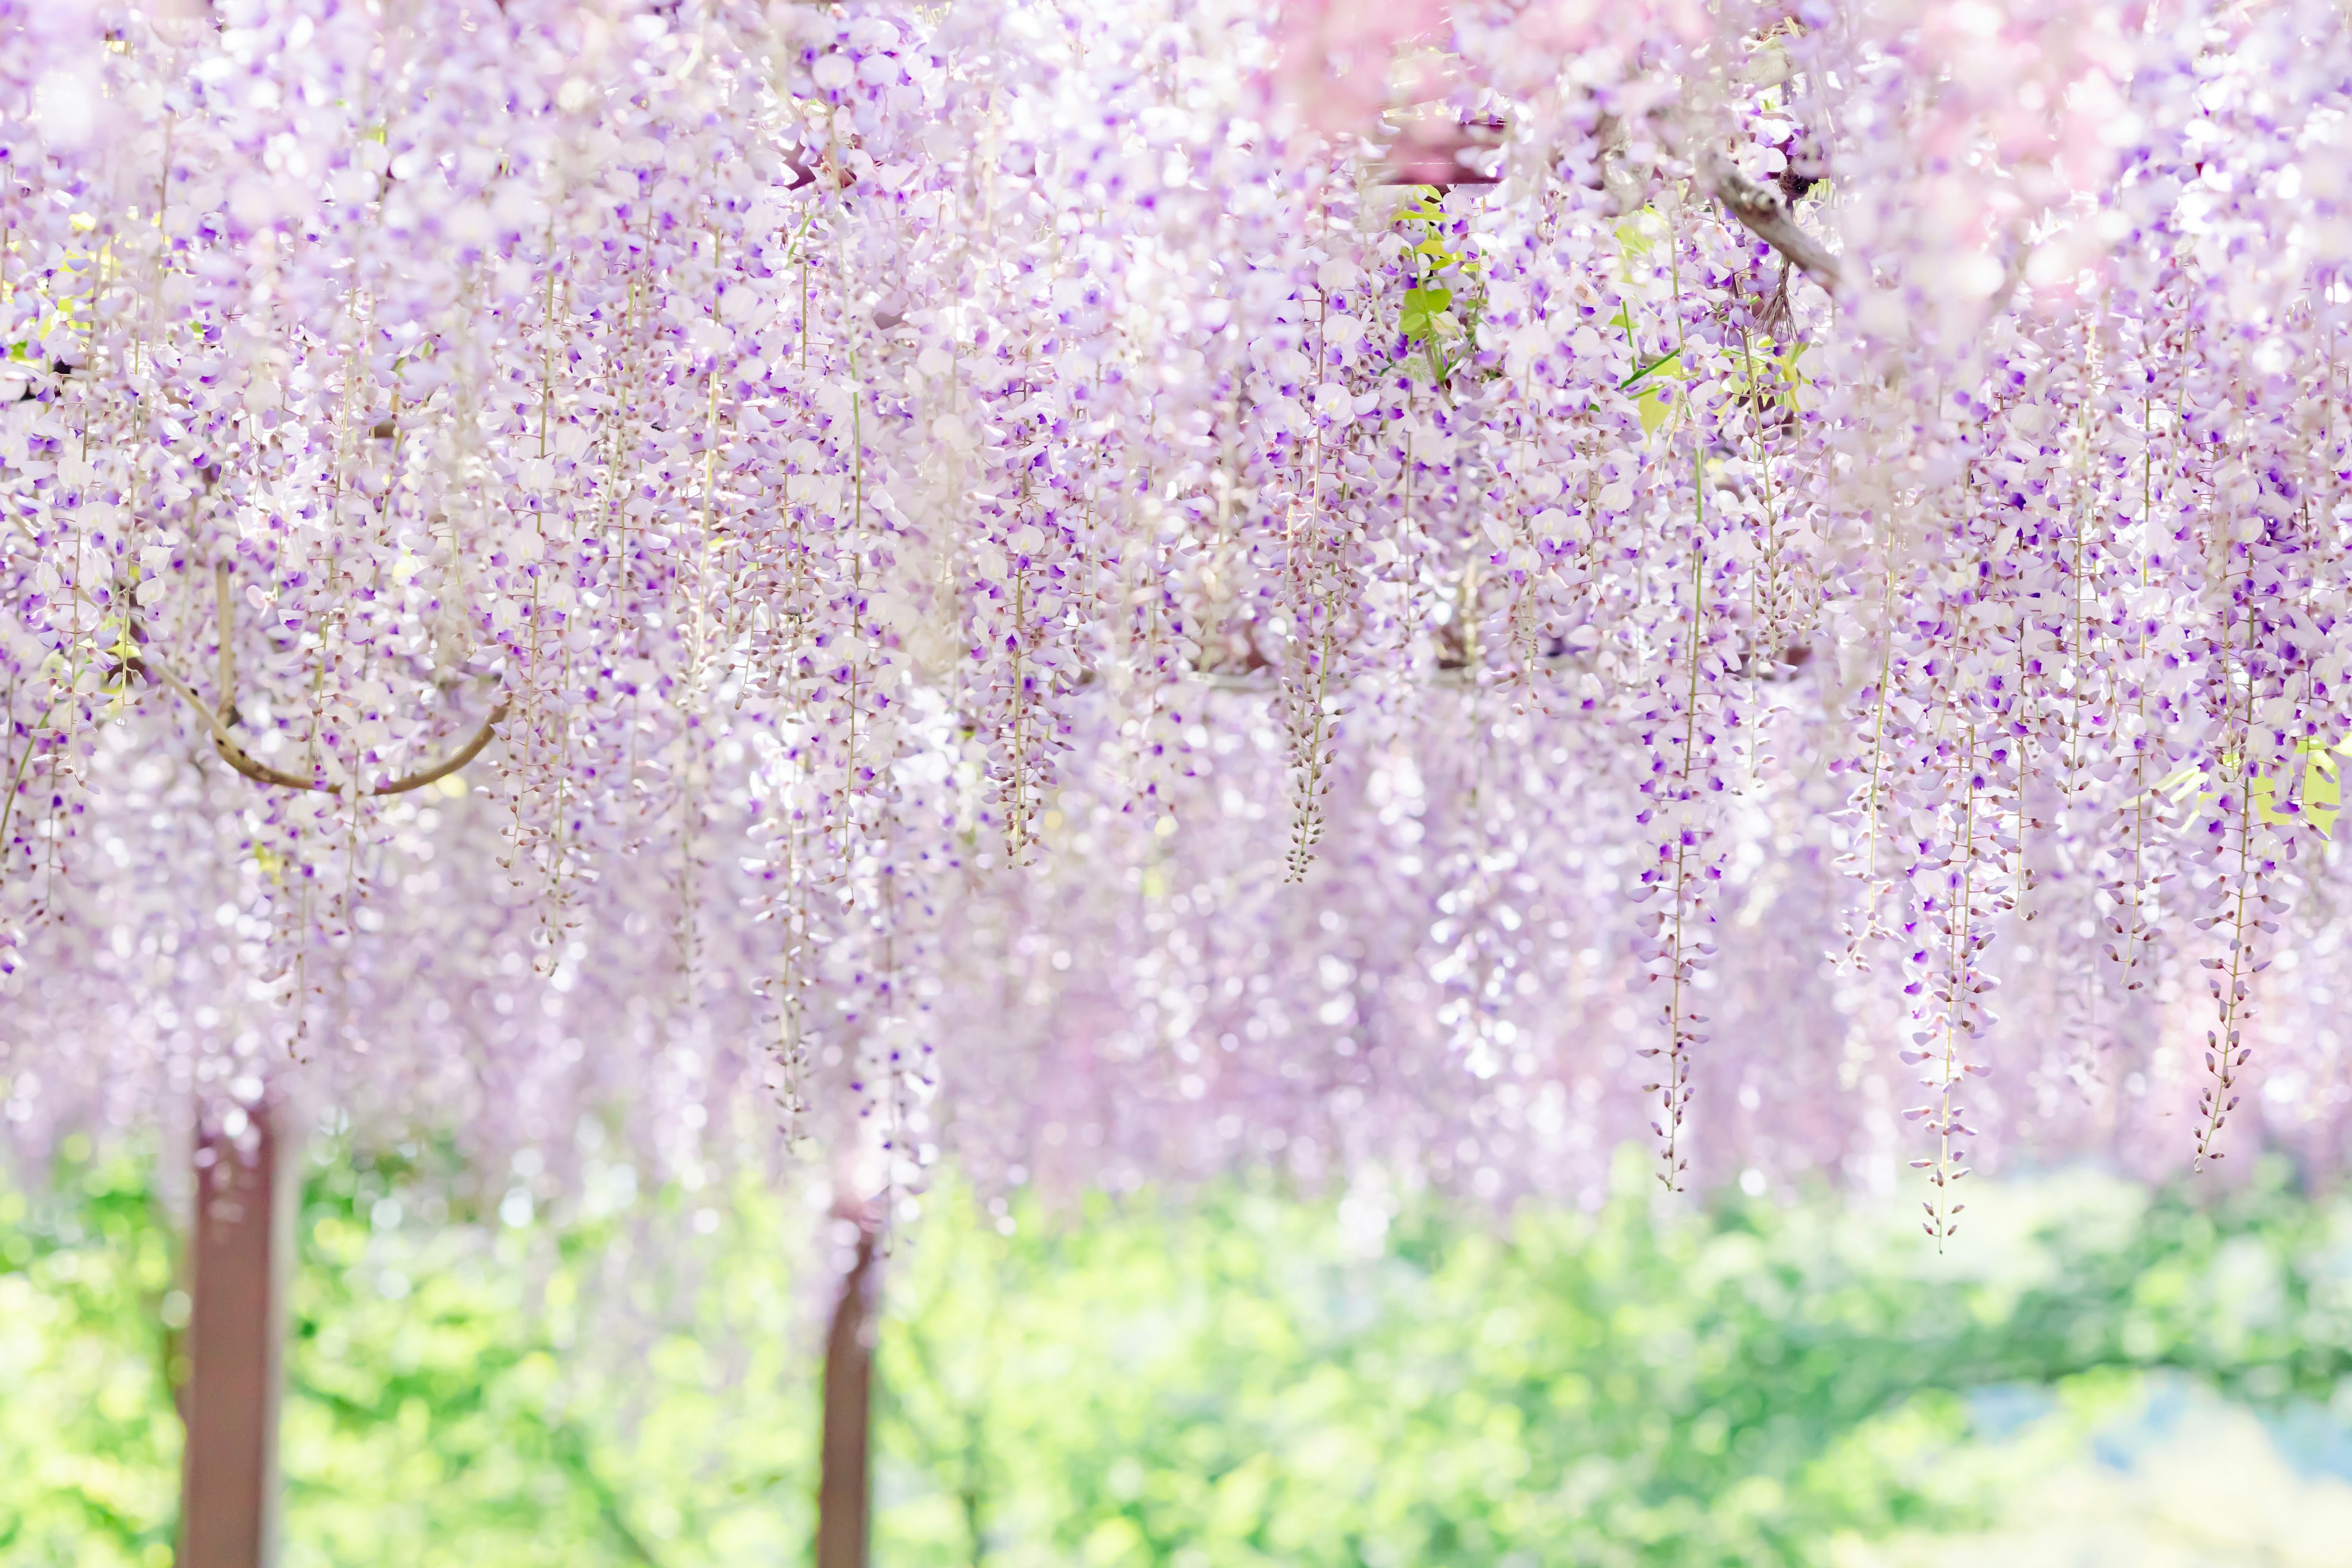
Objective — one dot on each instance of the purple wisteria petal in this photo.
(885, 579)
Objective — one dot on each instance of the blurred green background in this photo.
(2096, 1372)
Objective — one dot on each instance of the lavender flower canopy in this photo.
(1129, 586)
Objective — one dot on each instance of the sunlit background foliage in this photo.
(1249, 1379)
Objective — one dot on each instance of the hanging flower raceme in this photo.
(1082, 580)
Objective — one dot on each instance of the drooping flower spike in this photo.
(1132, 587)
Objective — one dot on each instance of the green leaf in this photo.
(1637, 233)
(1654, 409)
(1422, 308)
(1664, 364)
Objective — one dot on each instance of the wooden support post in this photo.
(228, 1473)
(845, 1493)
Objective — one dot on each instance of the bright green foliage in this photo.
(1423, 307)
(466, 1390)
(1239, 1389)
(1428, 316)
(1250, 1381)
(90, 1446)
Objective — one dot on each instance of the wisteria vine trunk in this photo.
(844, 1501)
(236, 1266)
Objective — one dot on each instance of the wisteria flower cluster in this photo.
(1126, 587)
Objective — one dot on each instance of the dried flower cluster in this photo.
(571, 554)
